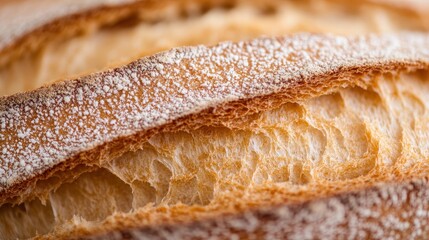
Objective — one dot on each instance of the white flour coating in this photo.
(21, 17)
(42, 128)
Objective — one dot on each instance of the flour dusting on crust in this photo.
(42, 128)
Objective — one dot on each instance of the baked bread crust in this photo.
(31, 29)
(62, 19)
(394, 210)
(97, 118)
(28, 31)
(100, 116)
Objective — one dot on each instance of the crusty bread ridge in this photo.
(67, 18)
(62, 19)
(114, 112)
(396, 210)
(304, 136)
(158, 90)
(95, 38)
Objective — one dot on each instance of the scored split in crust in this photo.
(115, 111)
(107, 109)
(99, 117)
(233, 80)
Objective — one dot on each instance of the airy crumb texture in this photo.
(305, 135)
(392, 211)
(63, 143)
(345, 141)
(336, 143)
(43, 128)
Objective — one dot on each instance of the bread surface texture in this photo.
(397, 211)
(283, 136)
(97, 35)
(197, 133)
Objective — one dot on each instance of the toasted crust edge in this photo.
(87, 19)
(177, 90)
(385, 210)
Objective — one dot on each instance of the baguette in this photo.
(201, 132)
(69, 39)
(302, 136)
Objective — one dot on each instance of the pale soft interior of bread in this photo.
(354, 135)
(118, 45)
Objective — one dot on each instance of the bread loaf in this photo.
(302, 136)
(114, 33)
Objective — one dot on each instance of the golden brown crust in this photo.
(26, 34)
(393, 210)
(70, 18)
(161, 25)
(114, 111)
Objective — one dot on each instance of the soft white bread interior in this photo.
(115, 34)
(200, 133)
